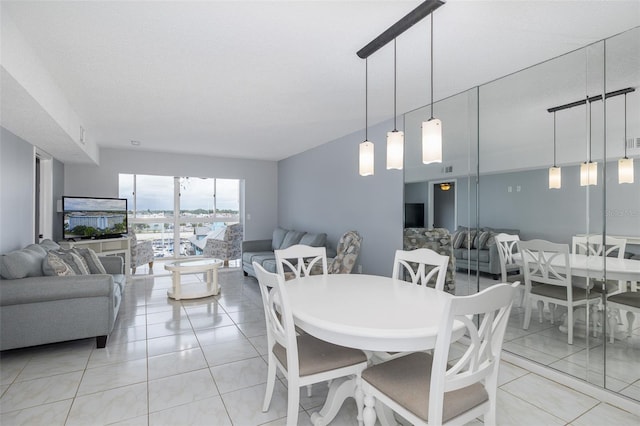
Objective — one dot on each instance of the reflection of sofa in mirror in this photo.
(476, 250)
(436, 239)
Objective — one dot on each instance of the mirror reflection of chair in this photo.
(347, 253)
(141, 252)
(592, 245)
(302, 359)
(426, 389)
(228, 248)
(300, 261)
(551, 284)
(422, 266)
(507, 245)
(627, 301)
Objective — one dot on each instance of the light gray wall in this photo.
(260, 177)
(321, 190)
(16, 192)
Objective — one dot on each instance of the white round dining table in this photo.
(368, 312)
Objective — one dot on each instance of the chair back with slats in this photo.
(299, 260)
(507, 246)
(591, 245)
(422, 266)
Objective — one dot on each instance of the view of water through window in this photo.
(204, 208)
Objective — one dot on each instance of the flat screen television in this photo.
(414, 215)
(93, 217)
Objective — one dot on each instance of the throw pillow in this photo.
(483, 238)
(20, 264)
(458, 239)
(93, 261)
(469, 239)
(73, 259)
(53, 265)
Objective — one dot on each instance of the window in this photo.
(179, 211)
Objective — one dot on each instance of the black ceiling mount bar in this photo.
(399, 27)
(592, 99)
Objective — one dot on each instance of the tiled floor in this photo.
(202, 362)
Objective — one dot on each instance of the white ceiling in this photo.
(270, 79)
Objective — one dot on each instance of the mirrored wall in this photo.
(499, 141)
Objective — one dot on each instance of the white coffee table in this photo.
(207, 266)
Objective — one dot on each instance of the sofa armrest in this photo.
(44, 289)
(256, 245)
(494, 260)
(112, 264)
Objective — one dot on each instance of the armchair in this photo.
(347, 253)
(229, 247)
(141, 252)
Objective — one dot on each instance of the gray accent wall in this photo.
(260, 179)
(16, 192)
(320, 190)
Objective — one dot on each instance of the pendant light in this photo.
(395, 138)
(589, 169)
(432, 128)
(366, 147)
(555, 175)
(625, 165)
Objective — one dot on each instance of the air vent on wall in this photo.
(447, 169)
(633, 143)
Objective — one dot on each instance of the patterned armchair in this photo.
(228, 248)
(348, 250)
(141, 252)
(438, 240)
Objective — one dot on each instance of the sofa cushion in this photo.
(49, 245)
(248, 257)
(314, 240)
(278, 238)
(292, 238)
(73, 259)
(54, 265)
(21, 263)
(481, 255)
(270, 265)
(92, 260)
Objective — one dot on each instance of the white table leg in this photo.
(176, 285)
(339, 391)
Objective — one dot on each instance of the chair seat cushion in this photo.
(407, 380)
(629, 298)
(316, 356)
(560, 293)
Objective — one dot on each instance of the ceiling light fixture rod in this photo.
(409, 20)
(431, 49)
(592, 99)
(366, 100)
(395, 87)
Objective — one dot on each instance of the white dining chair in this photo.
(425, 389)
(302, 359)
(423, 266)
(507, 246)
(301, 260)
(592, 245)
(547, 278)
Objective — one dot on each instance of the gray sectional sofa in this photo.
(37, 309)
(476, 250)
(262, 251)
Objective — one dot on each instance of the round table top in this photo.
(368, 312)
(192, 264)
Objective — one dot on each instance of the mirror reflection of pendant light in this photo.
(555, 175)
(395, 138)
(589, 169)
(366, 147)
(445, 186)
(625, 165)
(432, 128)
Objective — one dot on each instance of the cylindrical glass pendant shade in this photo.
(555, 178)
(432, 141)
(366, 158)
(625, 170)
(395, 150)
(589, 173)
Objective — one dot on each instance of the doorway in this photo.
(43, 197)
(443, 204)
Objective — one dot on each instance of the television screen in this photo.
(414, 215)
(91, 217)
